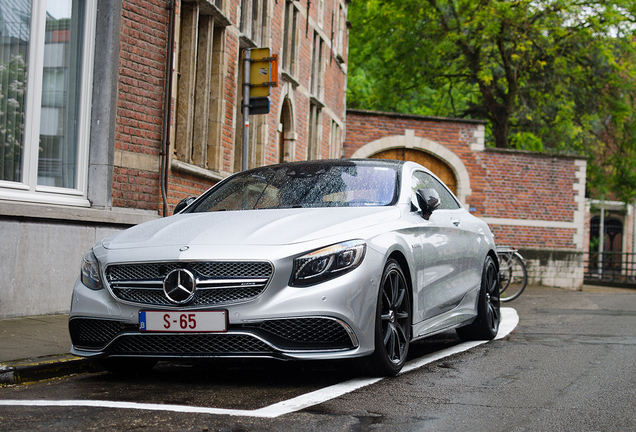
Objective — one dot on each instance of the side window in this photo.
(422, 180)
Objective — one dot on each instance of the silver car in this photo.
(336, 259)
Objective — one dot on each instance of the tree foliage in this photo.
(548, 75)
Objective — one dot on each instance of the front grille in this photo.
(190, 345)
(308, 330)
(219, 283)
(206, 270)
(93, 333)
(202, 297)
(305, 334)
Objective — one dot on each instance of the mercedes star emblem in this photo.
(179, 286)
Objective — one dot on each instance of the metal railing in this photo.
(614, 268)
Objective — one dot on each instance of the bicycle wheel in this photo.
(514, 277)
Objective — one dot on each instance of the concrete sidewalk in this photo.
(36, 348)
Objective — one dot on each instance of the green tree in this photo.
(554, 75)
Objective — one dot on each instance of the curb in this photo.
(43, 368)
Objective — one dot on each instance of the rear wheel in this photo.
(486, 325)
(392, 323)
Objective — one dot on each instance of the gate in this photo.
(611, 269)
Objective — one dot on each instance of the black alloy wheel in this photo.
(486, 325)
(393, 323)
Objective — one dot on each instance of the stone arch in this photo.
(437, 151)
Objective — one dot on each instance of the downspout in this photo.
(633, 239)
(601, 239)
(165, 143)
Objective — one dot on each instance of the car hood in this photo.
(253, 227)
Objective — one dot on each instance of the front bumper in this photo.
(284, 338)
(334, 319)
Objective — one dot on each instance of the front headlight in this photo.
(327, 263)
(90, 271)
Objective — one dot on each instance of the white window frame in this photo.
(316, 78)
(315, 132)
(321, 13)
(28, 189)
(290, 39)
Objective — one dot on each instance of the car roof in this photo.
(337, 162)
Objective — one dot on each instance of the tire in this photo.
(486, 325)
(127, 366)
(514, 277)
(392, 323)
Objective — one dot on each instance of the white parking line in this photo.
(509, 320)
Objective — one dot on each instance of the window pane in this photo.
(57, 157)
(14, 35)
(422, 180)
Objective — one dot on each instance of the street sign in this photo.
(260, 72)
(259, 105)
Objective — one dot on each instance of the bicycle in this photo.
(512, 273)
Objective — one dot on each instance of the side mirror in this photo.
(428, 199)
(183, 204)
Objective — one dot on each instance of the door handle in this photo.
(455, 222)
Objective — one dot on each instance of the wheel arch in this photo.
(398, 256)
(492, 254)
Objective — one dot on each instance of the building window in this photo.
(315, 132)
(254, 20)
(290, 37)
(339, 30)
(45, 82)
(321, 13)
(335, 146)
(200, 89)
(315, 87)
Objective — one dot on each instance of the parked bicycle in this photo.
(512, 272)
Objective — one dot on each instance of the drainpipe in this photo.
(633, 239)
(165, 143)
(601, 239)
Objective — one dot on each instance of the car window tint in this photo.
(305, 185)
(422, 180)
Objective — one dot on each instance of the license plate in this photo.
(171, 321)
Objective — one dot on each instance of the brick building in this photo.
(138, 105)
(533, 201)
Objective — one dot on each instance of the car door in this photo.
(446, 271)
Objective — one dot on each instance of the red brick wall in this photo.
(523, 186)
(142, 74)
(511, 185)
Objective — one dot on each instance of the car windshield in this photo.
(304, 185)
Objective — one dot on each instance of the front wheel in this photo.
(392, 323)
(486, 325)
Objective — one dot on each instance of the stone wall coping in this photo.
(113, 216)
(416, 116)
(533, 153)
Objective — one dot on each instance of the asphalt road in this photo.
(568, 366)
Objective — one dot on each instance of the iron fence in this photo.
(611, 268)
